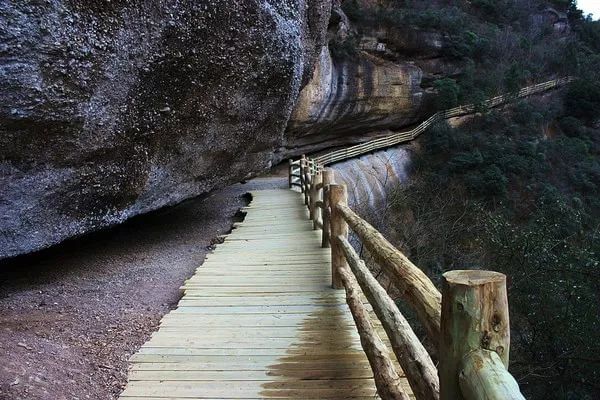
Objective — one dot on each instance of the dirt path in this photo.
(70, 317)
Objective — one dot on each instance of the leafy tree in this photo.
(447, 93)
(515, 77)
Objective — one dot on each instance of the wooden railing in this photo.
(468, 320)
(403, 137)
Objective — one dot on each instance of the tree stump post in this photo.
(316, 179)
(474, 317)
(338, 194)
(328, 179)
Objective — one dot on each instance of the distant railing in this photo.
(468, 320)
(403, 137)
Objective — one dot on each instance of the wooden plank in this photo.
(258, 319)
(202, 375)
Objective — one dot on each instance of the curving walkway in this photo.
(258, 320)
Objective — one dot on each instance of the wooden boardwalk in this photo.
(258, 320)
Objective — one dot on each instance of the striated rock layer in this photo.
(354, 97)
(113, 109)
(375, 89)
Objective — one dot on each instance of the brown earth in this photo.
(71, 316)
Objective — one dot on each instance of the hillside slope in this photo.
(514, 189)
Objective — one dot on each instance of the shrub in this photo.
(466, 161)
(447, 93)
(582, 99)
(343, 49)
(515, 78)
(571, 126)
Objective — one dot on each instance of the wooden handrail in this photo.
(416, 288)
(473, 346)
(484, 376)
(410, 353)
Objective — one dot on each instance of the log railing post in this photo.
(313, 209)
(338, 194)
(306, 176)
(328, 179)
(290, 172)
(301, 172)
(474, 318)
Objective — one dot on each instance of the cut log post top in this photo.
(474, 317)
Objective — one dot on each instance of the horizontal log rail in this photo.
(468, 320)
(416, 288)
(409, 351)
(385, 375)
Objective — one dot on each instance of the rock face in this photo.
(113, 109)
(374, 89)
(352, 98)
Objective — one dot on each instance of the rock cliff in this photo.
(377, 87)
(348, 98)
(113, 109)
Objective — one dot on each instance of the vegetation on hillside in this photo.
(515, 190)
(500, 46)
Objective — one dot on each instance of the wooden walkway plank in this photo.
(258, 320)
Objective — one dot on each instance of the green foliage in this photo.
(589, 34)
(583, 99)
(572, 126)
(498, 195)
(465, 161)
(515, 78)
(447, 93)
(490, 182)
